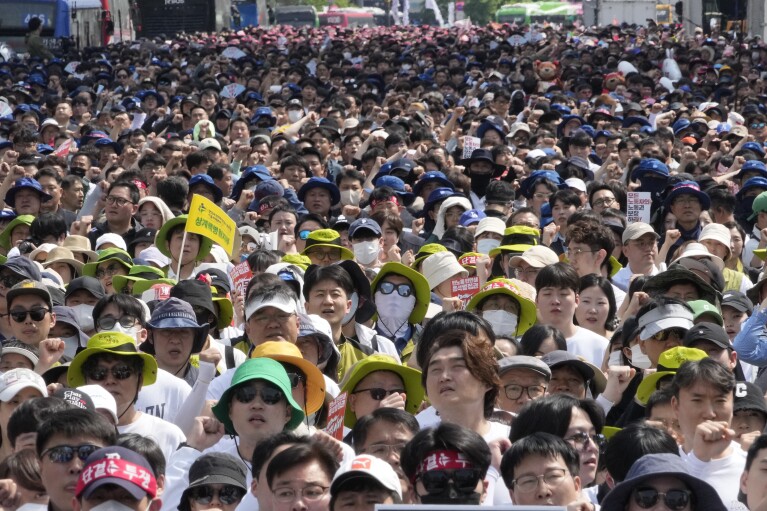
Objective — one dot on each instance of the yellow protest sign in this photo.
(207, 219)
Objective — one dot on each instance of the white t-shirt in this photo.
(723, 474)
(168, 436)
(164, 397)
(588, 345)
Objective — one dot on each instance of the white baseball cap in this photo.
(490, 224)
(15, 380)
(286, 305)
(102, 399)
(365, 466)
(112, 238)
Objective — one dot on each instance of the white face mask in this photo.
(112, 505)
(350, 197)
(84, 316)
(486, 245)
(132, 331)
(70, 345)
(295, 115)
(394, 311)
(366, 252)
(503, 322)
(639, 359)
(615, 359)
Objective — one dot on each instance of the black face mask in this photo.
(479, 183)
(451, 495)
(743, 209)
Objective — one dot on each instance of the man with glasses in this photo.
(527, 265)
(15, 270)
(30, 312)
(64, 441)
(663, 323)
(112, 360)
(640, 246)
(523, 379)
(121, 204)
(323, 247)
(542, 470)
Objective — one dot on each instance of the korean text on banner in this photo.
(207, 219)
(336, 412)
(638, 207)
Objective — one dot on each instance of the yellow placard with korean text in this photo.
(207, 219)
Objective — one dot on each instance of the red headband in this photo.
(115, 468)
(443, 460)
(393, 199)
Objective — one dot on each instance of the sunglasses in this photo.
(304, 234)
(758, 125)
(295, 379)
(378, 394)
(387, 288)
(674, 499)
(119, 372)
(247, 393)
(226, 495)
(663, 335)
(37, 314)
(109, 322)
(66, 453)
(464, 480)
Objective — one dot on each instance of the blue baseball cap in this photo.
(433, 176)
(471, 217)
(437, 195)
(396, 184)
(364, 224)
(752, 182)
(754, 147)
(206, 180)
(752, 166)
(650, 166)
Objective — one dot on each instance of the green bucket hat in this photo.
(137, 272)
(411, 378)
(5, 236)
(109, 254)
(668, 364)
(426, 251)
(420, 284)
(145, 285)
(517, 239)
(258, 369)
(225, 309)
(115, 343)
(326, 238)
(161, 240)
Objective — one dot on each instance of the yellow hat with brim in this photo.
(140, 286)
(420, 284)
(288, 353)
(509, 249)
(615, 266)
(109, 254)
(161, 240)
(299, 260)
(225, 309)
(610, 431)
(520, 292)
(5, 236)
(469, 260)
(327, 238)
(411, 378)
(137, 273)
(668, 363)
(113, 343)
(761, 253)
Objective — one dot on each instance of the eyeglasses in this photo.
(247, 393)
(109, 271)
(757, 125)
(295, 379)
(109, 322)
(515, 391)
(334, 254)
(540, 195)
(378, 393)
(529, 271)
(647, 244)
(66, 453)
(581, 440)
(387, 288)
(464, 480)
(552, 479)
(119, 201)
(384, 450)
(119, 372)
(227, 495)
(674, 499)
(37, 314)
(8, 281)
(606, 201)
(579, 251)
(310, 493)
(663, 335)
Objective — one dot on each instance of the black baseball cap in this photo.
(90, 284)
(749, 396)
(710, 332)
(738, 301)
(23, 267)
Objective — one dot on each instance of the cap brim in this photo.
(663, 324)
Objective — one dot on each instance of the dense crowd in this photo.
(472, 265)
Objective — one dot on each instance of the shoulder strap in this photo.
(229, 357)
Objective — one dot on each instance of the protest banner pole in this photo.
(181, 256)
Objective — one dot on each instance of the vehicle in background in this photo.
(539, 12)
(664, 14)
(169, 17)
(296, 16)
(346, 18)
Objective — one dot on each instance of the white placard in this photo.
(638, 207)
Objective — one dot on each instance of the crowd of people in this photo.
(529, 260)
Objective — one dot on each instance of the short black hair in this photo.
(75, 423)
(552, 414)
(392, 416)
(559, 276)
(705, 370)
(568, 197)
(759, 444)
(631, 443)
(26, 418)
(265, 449)
(135, 196)
(315, 274)
(146, 447)
(300, 455)
(126, 304)
(540, 444)
(532, 339)
(445, 436)
(460, 320)
(48, 224)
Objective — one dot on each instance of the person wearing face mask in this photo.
(441, 271)
(401, 296)
(507, 304)
(653, 176)
(481, 168)
(366, 239)
(295, 111)
(116, 479)
(127, 315)
(81, 295)
(448, 464)
(67, 328)
(488, 234)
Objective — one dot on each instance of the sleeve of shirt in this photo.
(751, 342)
(177, 477)
(195, 402)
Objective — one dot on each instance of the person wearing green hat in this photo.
(257, 405)
(757, 241)
(111, 262)
(323, 247)
(139, 272)
(189, 252)
(113, 361)
(507, 304)
(402, 298)
(16, 232)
